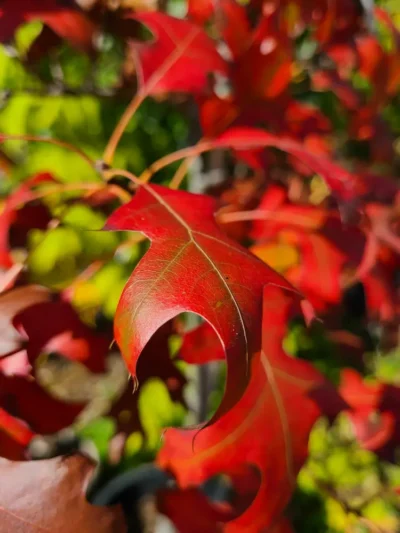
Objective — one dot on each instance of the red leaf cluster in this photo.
(374, 413)
(242, 65)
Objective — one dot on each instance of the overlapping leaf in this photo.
(64, 333)
(49, 495)
(374, 413)
(69, 24)
(191, 266)
(300, 239)
(263, 430)
(23, 398)
(180, 58)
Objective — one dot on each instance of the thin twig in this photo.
(180, 174)
(114, 172)
(62, 144)
(124, 196)
(120, 128)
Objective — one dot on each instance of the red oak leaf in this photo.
(191, 266)
(66, 23)
(180, 58)
(263, 429)
(56, 327)
(49, 495)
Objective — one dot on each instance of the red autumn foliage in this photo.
(374, 413)
(180, 57)
(240, 69)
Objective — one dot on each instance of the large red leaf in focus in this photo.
(263, 429)
(374, 413)
(66, 23)
(191, 266)
(49, 495)
(180, 58)
(55, 326)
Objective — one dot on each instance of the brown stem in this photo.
(120, 128)
(53, 189)
(180, 174)
(34, 138)
(242, 216)
(189, 152)
(112, 173)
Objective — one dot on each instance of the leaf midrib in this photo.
(158, 75)
(192, 239)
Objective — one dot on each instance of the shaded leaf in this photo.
(154, 363)
(38, 496)
(56, 327)
(191, 511)
(263, 429)
(22, 397)
(67, 23)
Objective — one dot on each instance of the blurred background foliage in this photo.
(72, 97)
